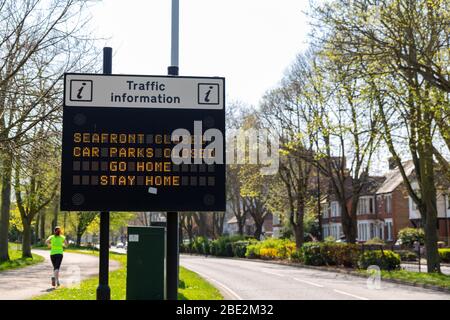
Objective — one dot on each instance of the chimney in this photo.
(392, 163)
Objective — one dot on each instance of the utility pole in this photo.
(103, 290)
(172, 263)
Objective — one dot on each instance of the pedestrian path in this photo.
(25, 283)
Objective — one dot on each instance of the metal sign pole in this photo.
(103, 290)
(172, 263)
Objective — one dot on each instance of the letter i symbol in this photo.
(79, 96)
(208, 93)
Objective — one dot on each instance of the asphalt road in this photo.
(242, 279)
(24, 283)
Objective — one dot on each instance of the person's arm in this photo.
(66, 243)
(48, 242)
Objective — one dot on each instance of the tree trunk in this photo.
(299, 235)
(26, 241)
(35, 234)
(79, 235)
(5, 208)
(65, 220)
(55, 213)
(258, 230)
(349, 222)
(42, 227)
(201, 224)
(189, 228)
(430, 213)
(241, 224)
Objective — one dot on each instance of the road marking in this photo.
(220, 284)
(309, 282)
(274, 273)
(350, 295)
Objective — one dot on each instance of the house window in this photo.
(335, 231)
(447, 201)
(388, 224)
(325, 210)
(365, 205)
(335, 209)
(388, 203)
(325, 231)
(364, 231)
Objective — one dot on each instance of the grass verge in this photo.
(16, 260)
(434, 279)
(192, 286)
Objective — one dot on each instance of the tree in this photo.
(36, 179)
(280, 111)
(187, 224)
(39, 40)
(255, 192)
(218, 220)
(83, 220)
(401, 48)
(201, 221)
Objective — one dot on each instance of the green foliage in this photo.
(444, 254)
(271, 249)
(192, 287)
(408, 236)
(16, 260)
(435, 279)
(223, 246)
(375, 240)
(297, 256)
(200, 245)
(406, 255)
(240, 248)
(329, 239)
(330, 253)
(312, 255)
(384, 259)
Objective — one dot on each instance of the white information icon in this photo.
(81, 90)
(208, 93)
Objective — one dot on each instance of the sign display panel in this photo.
(143, 143)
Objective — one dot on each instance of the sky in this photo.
(249, 42)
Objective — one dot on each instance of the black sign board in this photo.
(118, 148)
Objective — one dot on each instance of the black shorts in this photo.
(56, 260)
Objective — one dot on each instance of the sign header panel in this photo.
(119, 157)
(97, 90)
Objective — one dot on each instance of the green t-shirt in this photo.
(57, 244)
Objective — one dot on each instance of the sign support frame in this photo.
(103, 289)
(173, 255)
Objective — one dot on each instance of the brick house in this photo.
(385, 208)
(231, 225)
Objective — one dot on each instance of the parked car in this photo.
(120, 245)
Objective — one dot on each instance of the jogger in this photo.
(56, 243)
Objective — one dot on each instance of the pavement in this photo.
(25, 283)
(242, 279)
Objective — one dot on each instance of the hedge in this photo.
(408, 236)
(329, 253)
(311, 253)
(271, 249)
(406, 255)
(384, 259)
(444, 254)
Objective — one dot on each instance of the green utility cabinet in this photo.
(146, 263)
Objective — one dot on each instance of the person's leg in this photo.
(54, 260)
(57, 266)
